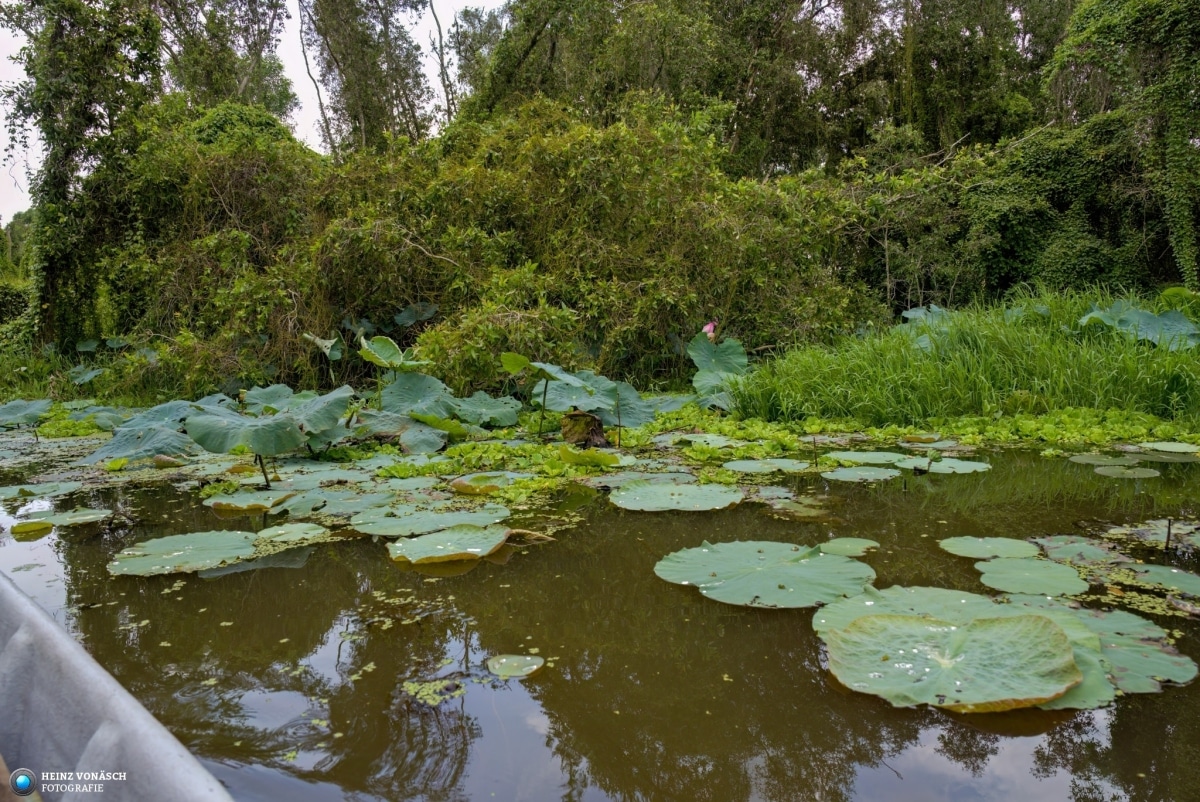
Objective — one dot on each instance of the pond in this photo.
(352, 676)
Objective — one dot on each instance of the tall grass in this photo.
(980, 361)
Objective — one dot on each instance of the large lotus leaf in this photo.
(555, 373)
(483, 410)
(105, 418)
(709, 384)
(946, 465)
(144, 442)
(848, 546)
(422, 439)
(1027, 575)
(463, 542)
(1124, 472)
(222, 430)
(726, 357)
(1138, 652)
(766, 465)
(179, 554)
(42, 490)
(663, 496)
(669, 403)
(411, 521)
(1077, 550)
(514, 666)
(170, 414)
(765, 574)
(75, 517)
(1170, 578)
(23, 413)
(861, 474)
(259, 400)
(249, 501)
(868, 457)
(987, 665)
(981, 548)
(323, 412)
(1103, 459)
(562, 397)
(628, 408)
(955, 606)
(416, 392)
(292, 558)
(1171, 447)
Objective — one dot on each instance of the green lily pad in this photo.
(1124, 472)
(861, 474)
(622, 478)
(765, 574)
(462, 542)
(333, 502)
(766, 465)
(1165, 457)
(292, 558)
(480, 484)
(592, 457)
(1028, 575)
(982, 548)
(188, 553)
(663, 496)
(987, 665)
(75, 517)
(710, 440)
(955, 606)
(1155, 532)
(286, 536)
(249, 501)
(29, 531)
(1077, 550)
(1170, 578)
(1103, 460)
(1173, 448)
(43, 490)
(868, 457)
(848, 546)
(411, 521)
(514, 666)
(945, 465)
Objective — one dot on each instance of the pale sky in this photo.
(14, 185)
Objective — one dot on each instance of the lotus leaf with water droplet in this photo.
(514, 666)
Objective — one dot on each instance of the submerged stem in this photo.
(262, 463)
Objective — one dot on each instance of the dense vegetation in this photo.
(587, 183)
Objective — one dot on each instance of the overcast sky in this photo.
(14, 184)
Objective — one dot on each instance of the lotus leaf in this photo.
(946, 465)
(416, 392)
(709, 440)
(222, 430)
(105, 418)
(82, 374)
(29, 531)
(937, 445)
(861, 474)
(333, 349)
(384, 352)
(289, 535)
(1171, 447)
(987, 665)
(628, 408)
(321, 412)
(75, 517)
(260, 400)
(663, 496)
(1170, 578)
(591, 457)
(1077, 550)
(43, 490)
(848, 546)
(510, 666)
(170, 414)
(765, 574)
(801, 508)
(766, 465)
(415, 313)
(1168, 458)
(1123, 472)
(292, 558)
(981, 548)
(483, 410)
(868, 457)
(136, 443)
(23, 413)
(622, 478)
(462, 542)
(249, 501)
(562, 397)
(333, 502)
(188, 553)
(1103, 459)
(726, 357)
(1155, 532)
(955, 606)
(411, 521)
(1028, 575)
(480, 484)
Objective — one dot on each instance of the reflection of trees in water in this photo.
(396, 748)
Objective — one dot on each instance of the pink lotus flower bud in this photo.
(710, 328)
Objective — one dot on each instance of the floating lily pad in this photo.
(188, 553)
(410, 521)
(861, 474)
(868, 457)
(1077, 550)
(480, 484)
(249, 501)
(987, 665)
(514, 666)
(848, 546)
(1170, 578)
(463, 542)
(710, 440)
(334, 502)
(663, 496)
(1171, 447)
(982, 548)
(955, 606)
(43, 490)
(28, 531)
(765, 574)
(1027, 575)
(766, 465)
(803, 508)
(290, 535)
(292, 558)
(1186, 532)
(76, 517)
(1137, 651)
(622, 478)
(1103, 460)
(1124, 472)
(1164, 457)
(946, 465)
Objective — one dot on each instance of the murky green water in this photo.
(288, 682)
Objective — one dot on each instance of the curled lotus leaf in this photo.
(982, 548)
(1172, 447)
(1126, 472)
(861, 474)
(1103, 459)
(384, 352)
(514, 666)
(462, 542)
(765, 573)
(868, 457)
(1029, 575)
(188, 553)
(663, 496)
(986, 665)
(42, 490)
(766, 465)
(849, 546)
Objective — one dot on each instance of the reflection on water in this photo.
(287, 682)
